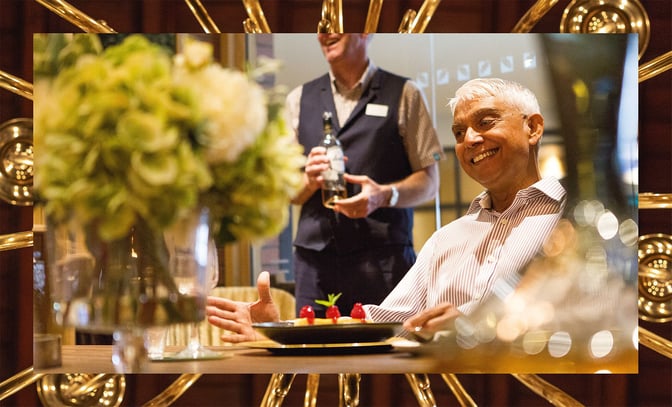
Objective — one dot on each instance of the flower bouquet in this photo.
(140, 153)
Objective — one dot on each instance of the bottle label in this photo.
(335, 155)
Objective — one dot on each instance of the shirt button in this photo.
(503, 221)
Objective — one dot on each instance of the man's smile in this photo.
(484, 155)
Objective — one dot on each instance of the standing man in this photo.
(364, 246)
(498, 127)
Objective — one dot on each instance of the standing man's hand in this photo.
(371, 197)
(419, 187)
(316, 163)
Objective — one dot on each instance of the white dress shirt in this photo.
(461, 262)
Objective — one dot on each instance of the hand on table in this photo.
(237, 317)
(426, 323)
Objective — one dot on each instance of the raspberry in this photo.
(358, 312)
(308, 313)
(333, 313)
(332, 309)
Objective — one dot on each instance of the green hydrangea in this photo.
(132, 133)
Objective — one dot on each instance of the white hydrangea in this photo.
(235, 112)
(234, 108)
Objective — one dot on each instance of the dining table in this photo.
(242, 359)
(250, 359)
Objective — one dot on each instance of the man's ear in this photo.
(535, 125)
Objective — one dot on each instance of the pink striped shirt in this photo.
(461, 262)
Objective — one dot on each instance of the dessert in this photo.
(333, 314)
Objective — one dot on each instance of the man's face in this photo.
(495, 143)
(338, 47)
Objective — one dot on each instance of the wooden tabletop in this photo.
(240, 360)
(98, 359)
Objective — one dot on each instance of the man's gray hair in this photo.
(514, 93)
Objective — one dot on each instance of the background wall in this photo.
(438, 63)
(20, 18)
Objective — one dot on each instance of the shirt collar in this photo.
(549, 186)
(362, 83)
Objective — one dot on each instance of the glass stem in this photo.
(194, 337)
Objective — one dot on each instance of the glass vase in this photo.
(121, 287)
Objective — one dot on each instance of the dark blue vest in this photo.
(374, 148)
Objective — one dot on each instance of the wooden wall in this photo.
(20, 18)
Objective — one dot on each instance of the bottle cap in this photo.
(326, 121)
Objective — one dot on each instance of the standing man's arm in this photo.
(423, 150)
(413, 190)
(417, 188)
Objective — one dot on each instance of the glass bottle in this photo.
(333, 187)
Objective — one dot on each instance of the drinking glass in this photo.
(155, 341)
(195, 349)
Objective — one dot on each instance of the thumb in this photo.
(264, 287)
(355, 179)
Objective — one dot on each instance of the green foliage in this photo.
(131, 133)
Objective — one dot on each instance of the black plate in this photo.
(287, 333)
(358, 348)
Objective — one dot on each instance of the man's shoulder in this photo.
(396, 76)
(410, 87)
(294, 94)
(311, 86)
(551, 187)
(322, 79)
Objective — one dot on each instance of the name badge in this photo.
(373, 109)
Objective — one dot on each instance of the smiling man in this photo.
(498, 127)
(497, 137)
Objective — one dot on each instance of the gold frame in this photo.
(235, 256)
